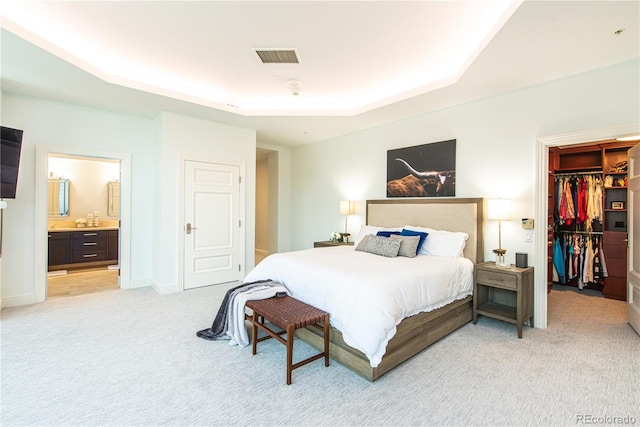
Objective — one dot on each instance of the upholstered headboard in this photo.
(441, 214)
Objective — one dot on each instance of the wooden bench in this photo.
(289, 314)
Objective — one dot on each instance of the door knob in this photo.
(189, 228)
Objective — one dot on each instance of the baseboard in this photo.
(168, 288)
(17, 301)
(140, 283)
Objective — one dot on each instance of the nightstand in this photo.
(503, 293)
(329, 243)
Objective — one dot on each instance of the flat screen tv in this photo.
(9, 161)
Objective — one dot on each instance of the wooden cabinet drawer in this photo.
(89, 255)
(614, 238)
(615, 252)
(59, 235)
(616, 288)
(498, 279)
(89, 246)
(616, 267)
(89, 236)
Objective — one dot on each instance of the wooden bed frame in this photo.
(418, 332)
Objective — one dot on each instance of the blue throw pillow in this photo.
(387, 233)
(422, 235)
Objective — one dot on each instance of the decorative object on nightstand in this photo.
(336, 237)
(503, 293)
(347, 207)
(499, 209)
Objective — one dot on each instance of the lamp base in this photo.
(500, 258)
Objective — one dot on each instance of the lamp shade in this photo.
(346, 207)
(499, 209)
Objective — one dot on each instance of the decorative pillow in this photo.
(362, 245)
(386, 233)
(383, 246)
(371, 229)
(423, 235)
(409, 246)
(441, 242)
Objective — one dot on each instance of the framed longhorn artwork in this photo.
(427, 170)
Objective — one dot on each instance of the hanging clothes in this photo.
(578, 200)
(579, 255)
(558, 261)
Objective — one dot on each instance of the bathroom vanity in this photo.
(79, 248)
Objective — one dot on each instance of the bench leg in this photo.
(326, 340)
(254, 334)
(290, 336)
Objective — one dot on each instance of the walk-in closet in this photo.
(587, 217)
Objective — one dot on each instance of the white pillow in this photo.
(371, 229)
(441, 242)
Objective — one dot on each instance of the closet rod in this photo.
(578, 232)
(577, 173)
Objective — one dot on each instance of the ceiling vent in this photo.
(278, 56)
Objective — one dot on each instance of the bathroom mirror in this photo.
(58, 197)
(113, 203)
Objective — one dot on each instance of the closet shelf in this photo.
(581, 170)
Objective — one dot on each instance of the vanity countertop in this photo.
(60, 229)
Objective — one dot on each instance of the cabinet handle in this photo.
(90, 255)
(497, 279)
(90, 244)
(90, 234)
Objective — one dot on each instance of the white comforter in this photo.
(367, 295)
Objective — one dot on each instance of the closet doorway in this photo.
(122, 241)
(587, 218)
(83, 206)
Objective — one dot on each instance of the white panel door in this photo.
(633, 206)
(212, 223)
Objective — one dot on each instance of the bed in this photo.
(385, 310)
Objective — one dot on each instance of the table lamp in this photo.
(499, 209)
(347, 207)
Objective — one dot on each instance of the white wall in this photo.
(496, 152)
(156, 147)
(182, 138)
(62, 125)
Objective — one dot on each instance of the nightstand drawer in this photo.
(498, 279)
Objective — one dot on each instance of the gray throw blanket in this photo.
(229, 322)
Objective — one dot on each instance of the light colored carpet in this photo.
(131, 357)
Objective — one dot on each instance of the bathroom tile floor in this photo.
(82, 281)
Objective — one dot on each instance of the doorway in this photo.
(266, 235)
(83, 207)
(542, 203)
(43, 153)
(587, 219)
